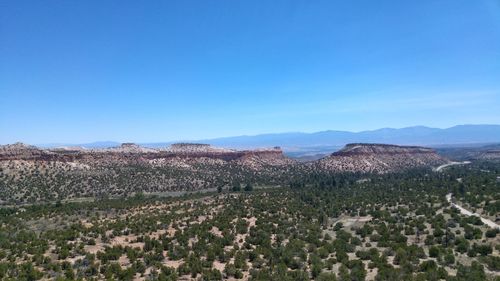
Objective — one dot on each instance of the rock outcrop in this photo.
(379, 158)
(196, 148)
(130, 152)
(31, 174)
(21, 151)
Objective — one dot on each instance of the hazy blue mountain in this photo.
(418, 135)
(298, 144)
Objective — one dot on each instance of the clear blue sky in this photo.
(81, 71)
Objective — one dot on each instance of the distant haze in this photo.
(419, 135)
(327, 141)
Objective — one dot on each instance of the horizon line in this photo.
(49, 144)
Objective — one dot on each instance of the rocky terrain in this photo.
(29, 174)
(380, 158)
(489, 152)
(133, 153)
(493, 154)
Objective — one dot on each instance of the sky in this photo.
(149, 71)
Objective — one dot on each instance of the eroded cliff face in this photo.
(368, 148)
(133, 153)
(18, 151)
(379, 158)
(31, 174)
(357, 157)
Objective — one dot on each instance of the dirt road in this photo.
(466, 212)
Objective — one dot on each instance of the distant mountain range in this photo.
(302, 144)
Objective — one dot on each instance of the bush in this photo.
(248, 187)
(491, 233)
(449, 259)
(236, 187)
(433, 252)
(427, 266)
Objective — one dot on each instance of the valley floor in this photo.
(331, 227)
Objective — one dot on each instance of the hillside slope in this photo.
(29, 174)
(379, 158)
